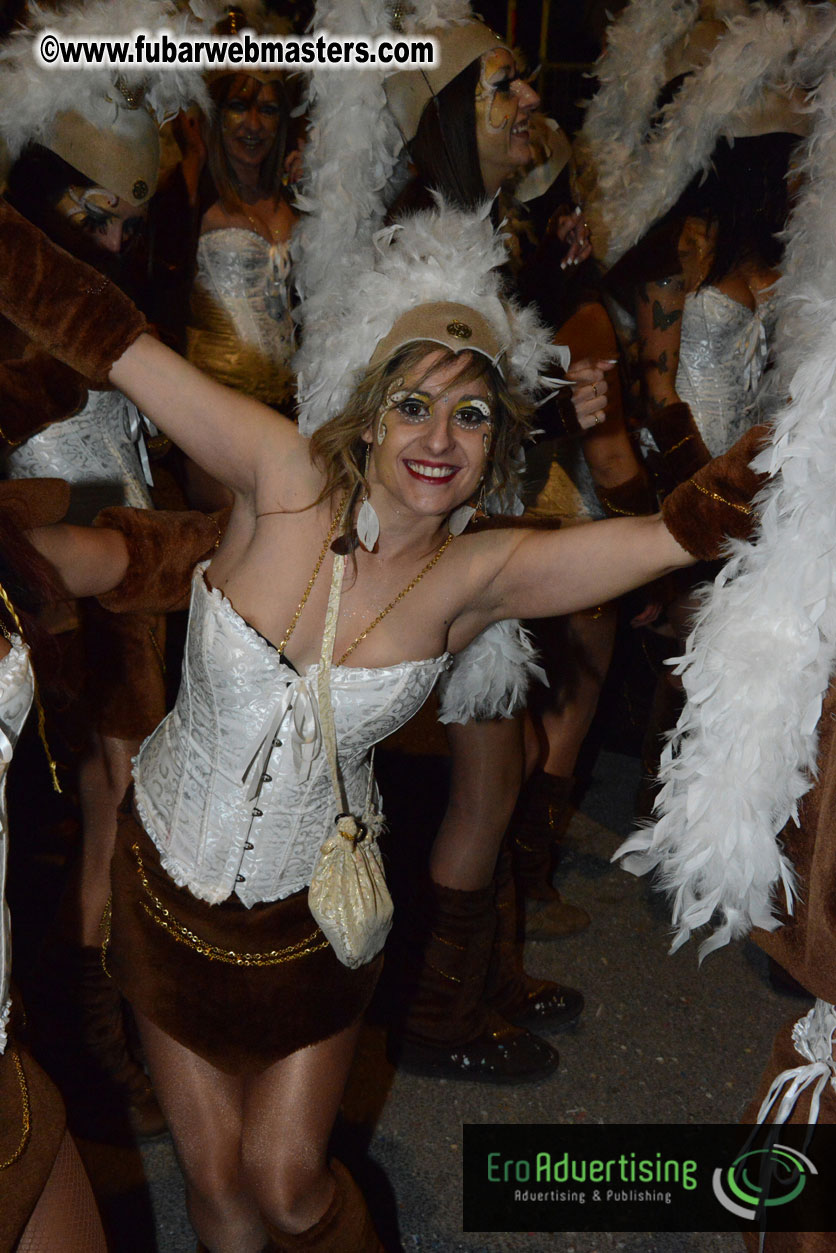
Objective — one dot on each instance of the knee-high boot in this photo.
(537, 824)
(448, 1029)
(345, 1225)
(522, 998)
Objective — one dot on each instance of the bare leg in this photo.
(485, 778)
(103, 779)
(567, 723)
(204, 1109)
(66, 1216)
(289, 1113)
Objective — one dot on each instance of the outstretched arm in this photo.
(88, 561)
(233, 437)
(543, 574)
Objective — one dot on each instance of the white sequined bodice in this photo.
(241, 331)
(17, 688)
(233, 787)
(98, 451)
(722, 356)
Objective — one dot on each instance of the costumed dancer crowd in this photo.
(397, 389)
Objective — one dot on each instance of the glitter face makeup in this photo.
(503, 102)
(114, 223)
(416, 407)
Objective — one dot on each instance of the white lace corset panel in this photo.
(16, 692)
(722, 356)
(99, 451)
(241, 331)
(233, 786)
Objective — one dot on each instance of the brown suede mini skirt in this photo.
(241, 987)
(32, 1126)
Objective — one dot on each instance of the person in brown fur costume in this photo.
(85, 176)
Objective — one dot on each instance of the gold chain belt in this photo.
(163, 917)
(27, 1115)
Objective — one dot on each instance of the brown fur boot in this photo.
(449, 1030)
(521, 998)
(539, 820)
(345, 1227)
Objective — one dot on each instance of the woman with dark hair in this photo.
(85, 175)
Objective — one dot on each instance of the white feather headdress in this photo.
(632, 174)
(763, 649)
(31, 94)
(356, 278)
(36, 98)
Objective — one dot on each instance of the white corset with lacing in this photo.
(100, 451)
(233, 787)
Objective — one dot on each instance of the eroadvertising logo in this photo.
(744, 1187)
(648, 1177)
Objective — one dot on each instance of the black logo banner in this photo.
(648, 1177)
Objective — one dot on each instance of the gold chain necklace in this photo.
(432, 561)
(392, 603)
(335, 521)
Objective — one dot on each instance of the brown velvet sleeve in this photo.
(678, 439)
(628, 499)
(65, 306)
(163, 549)
(35, 391)
(716, 503)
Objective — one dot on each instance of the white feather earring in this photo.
(460, 518)
(368, 523)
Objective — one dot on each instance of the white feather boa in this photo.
(491, 677)
(31, 94)
(635, 182)
(763, 650)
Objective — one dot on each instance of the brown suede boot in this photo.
(538, 822)
(345, 1227)
(449, 1030)
(519, 997)
(99, 1079)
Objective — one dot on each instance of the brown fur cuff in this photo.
(678, 439)
(163, 549)
(629, 499)
(34, 502)
(67, 307)
(716, 504)
(37, 390)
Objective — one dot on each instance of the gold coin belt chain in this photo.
(27, 1113)
(275, 957)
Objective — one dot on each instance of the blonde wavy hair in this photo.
(339, 450)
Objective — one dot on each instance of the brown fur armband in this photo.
(678, 439)
(163, 549)
(64, 305)
(716, 503)
(629, 499)
(35, 391)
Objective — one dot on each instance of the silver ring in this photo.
(595, 389)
